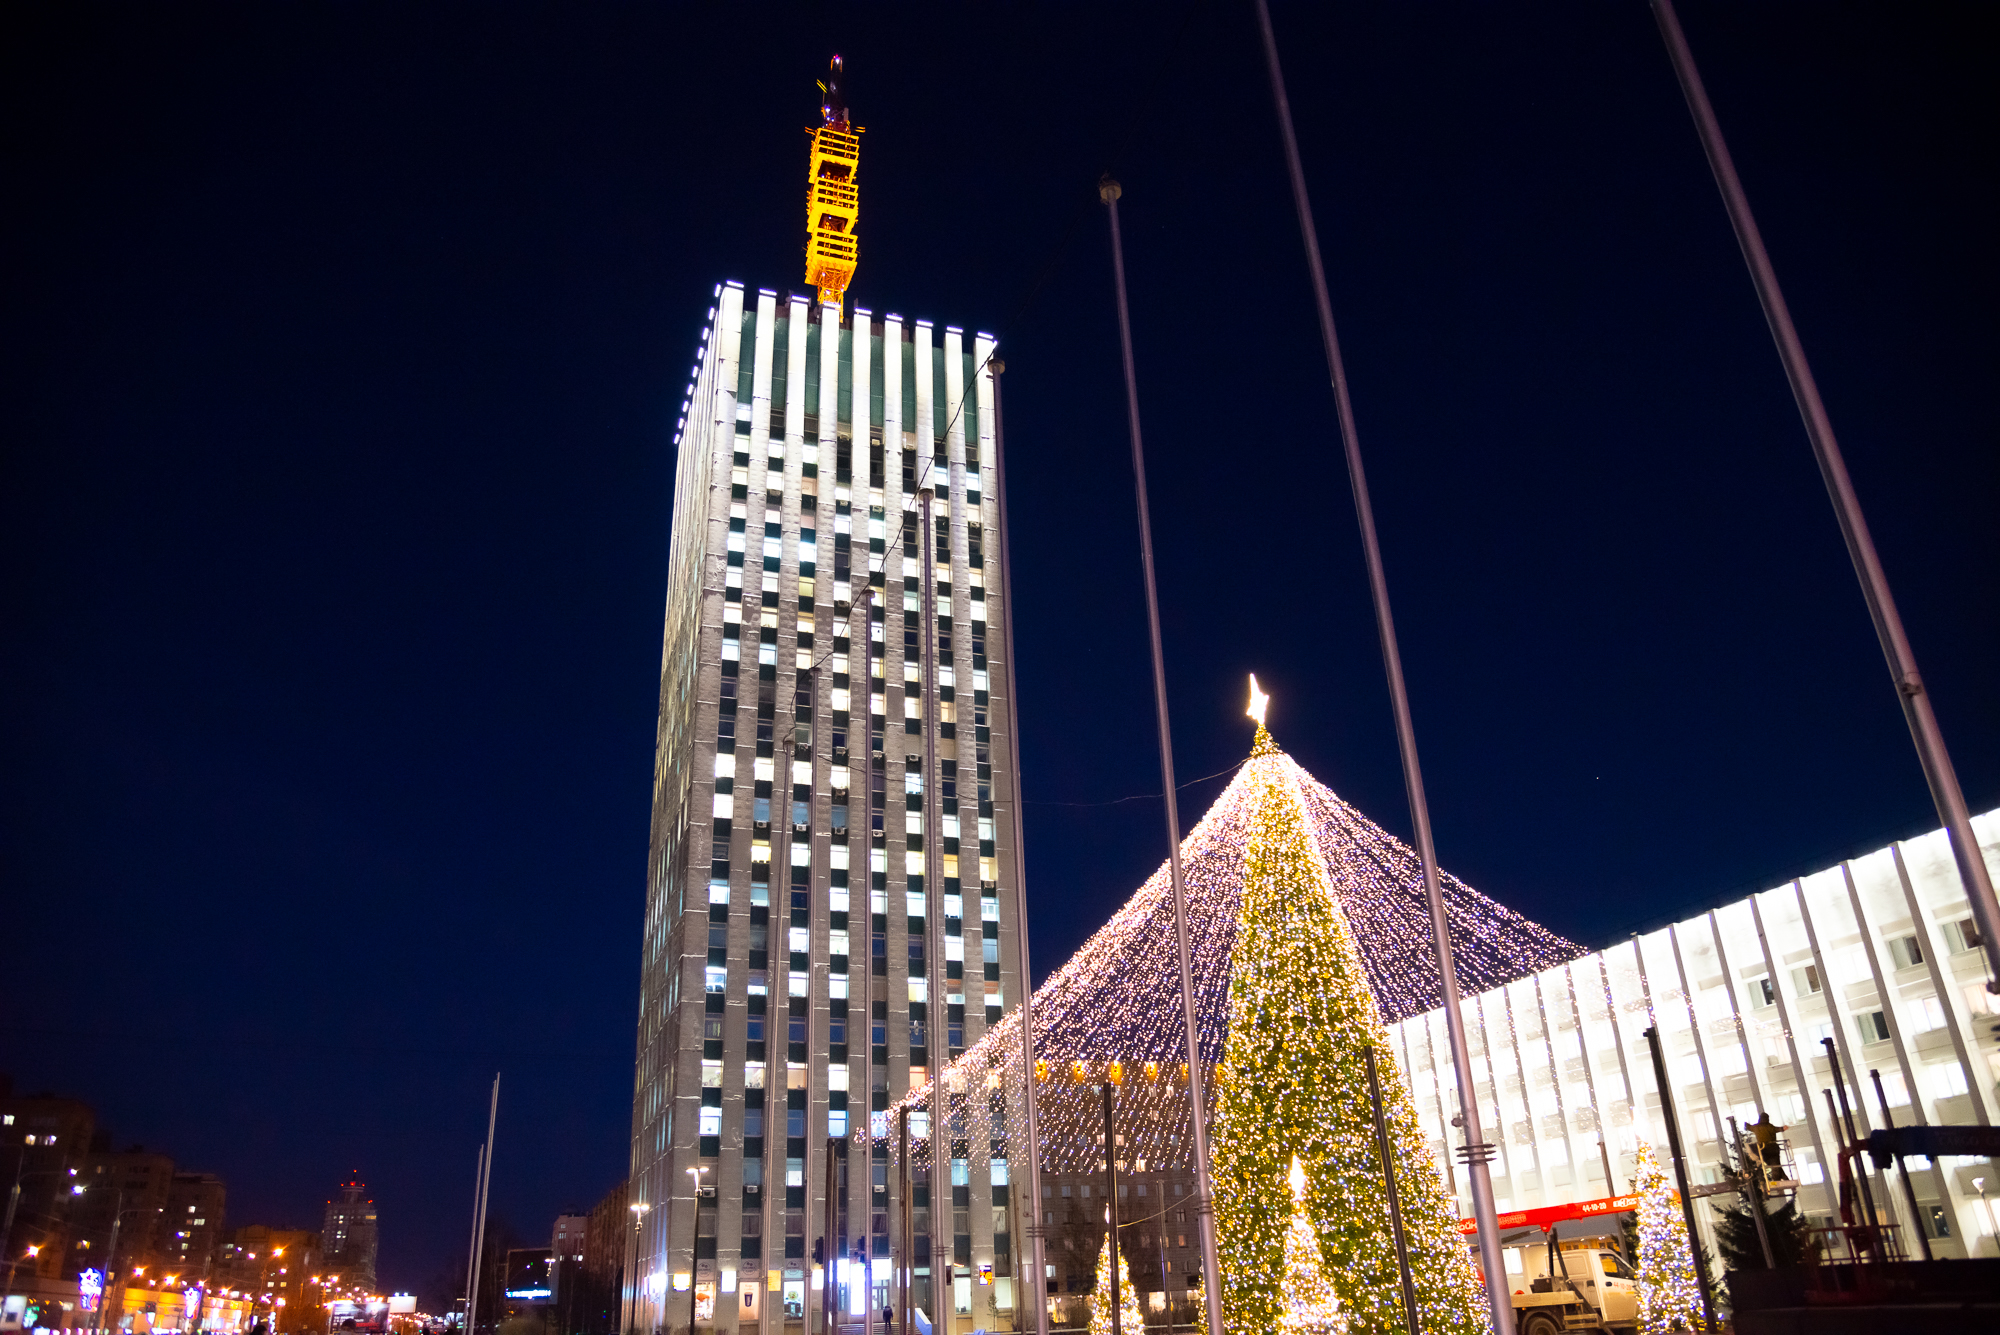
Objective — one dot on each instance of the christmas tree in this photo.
(1310, 1305)
(1669, 1293)
(1129, 1320)
(1791, 1238)
(1294, 1082)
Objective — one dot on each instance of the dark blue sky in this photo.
(342, 349)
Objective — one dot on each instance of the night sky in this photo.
(343, 348)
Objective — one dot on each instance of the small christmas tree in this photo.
(1310, 1305)
(1669, 1293)
(1791, 1238)
(1129, 1320)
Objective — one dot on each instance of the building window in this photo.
(1961, 936)
(1905, 951)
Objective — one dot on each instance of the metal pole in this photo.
(1845, 1121)
(816, 1029)
(693, 1288)
(1476, 1153)
(1903, 1169)
(867, 1229)
(1037, 1244)
(1389, 1182)
(1931, 753)
(937, 986)
(1111, 1199)
(1109, 191)
(485, 1187)
(906, 1272)
(472, 1250)
(1652, 1037)
(827, 1294)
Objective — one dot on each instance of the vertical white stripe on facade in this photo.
(829, 391)
(892, 394)
(1890, 997)
(1805, 1103)
(1695, 1020)
(1555, 1074)
(760, 381)
(926, 424)
(1930, 858)
(1602, 1123)
(798, 326)
(953, 483)
(982, 372)
(1752, 1052)
(1833, 983)
(862, 420)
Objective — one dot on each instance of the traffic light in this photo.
(819, 1251)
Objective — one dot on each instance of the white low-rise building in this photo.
(1877, 954)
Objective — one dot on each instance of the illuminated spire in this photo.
(1261, 745)
(832, 201)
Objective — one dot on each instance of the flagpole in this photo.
(1476, 1153)
(1910, 690)
(1211, 1265)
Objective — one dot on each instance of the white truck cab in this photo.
(1581, 1284)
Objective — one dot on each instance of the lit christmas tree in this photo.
(1129, 1320)
(1293, 1081)
(1310, 1305)
(1669, 1293)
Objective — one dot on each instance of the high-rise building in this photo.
(51, 1137)
(829, 897)
(351, 1237)
(192, 1229)
(118, 1216)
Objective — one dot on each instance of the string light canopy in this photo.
(1112, 1015)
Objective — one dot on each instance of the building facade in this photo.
(120, 1214)
(193, 1228)
(1877, 955)
(829, 902)
(281, 1273)
(352, 1237)
(52, 1137)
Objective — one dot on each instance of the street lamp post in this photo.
(639, 1209)
(695, 1174)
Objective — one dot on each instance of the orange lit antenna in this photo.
(832, 202)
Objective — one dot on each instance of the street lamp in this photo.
(638, 1209)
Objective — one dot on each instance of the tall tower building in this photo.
(351, 1237)
(830, 903)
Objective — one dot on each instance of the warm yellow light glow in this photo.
(1258, 700)
(1298, 1179)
